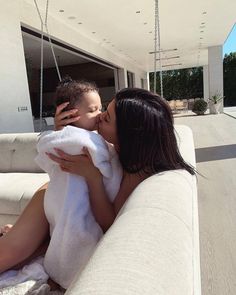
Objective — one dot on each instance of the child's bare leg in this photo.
(41, 250)
(29, 233)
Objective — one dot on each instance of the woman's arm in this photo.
(101, 206)
(82, 165)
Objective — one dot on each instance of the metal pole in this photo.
(41, 83)
(155, 50)
(157, 45)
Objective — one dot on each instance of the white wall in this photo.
(215, 71)
(13, 77)
(15, 111)
(205, 82)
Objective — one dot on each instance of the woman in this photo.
(140, 125)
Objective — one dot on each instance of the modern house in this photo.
(109, 42)
(112, 43)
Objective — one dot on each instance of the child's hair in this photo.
(72, 91)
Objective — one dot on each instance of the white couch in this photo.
(153, 246)
(20, 176)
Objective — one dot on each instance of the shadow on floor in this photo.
(215, 153)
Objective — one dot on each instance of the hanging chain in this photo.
(42, 57)
(41, 83)
(155, 50)
(50, 42)
(157, 45)
(48, 34)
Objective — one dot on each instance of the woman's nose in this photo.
(101, 116)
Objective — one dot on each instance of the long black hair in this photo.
(147, 142)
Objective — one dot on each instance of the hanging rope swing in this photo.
(44, 24)
(157, 49)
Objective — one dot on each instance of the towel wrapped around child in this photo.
(73, 228)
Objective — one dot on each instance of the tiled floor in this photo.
(215, 143)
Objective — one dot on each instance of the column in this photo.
(122, 78)
(215, 71)
(205, 83)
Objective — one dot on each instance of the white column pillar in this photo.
(148, 81)
(137, 80)
(122, 79)
(205, 83)
(116, 78)
(15, 110)
(215, 70)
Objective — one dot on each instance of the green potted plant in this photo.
(199, 107)
(215, 103)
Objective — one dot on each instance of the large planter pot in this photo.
(199, 112)
(215, 108)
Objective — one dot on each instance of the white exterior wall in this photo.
(215, 71)
(122, 79)
(13, 76)
(205, 82)
(13, 82)
(137, 80)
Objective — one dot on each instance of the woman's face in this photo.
(107, 124)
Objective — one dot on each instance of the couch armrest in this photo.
(151, 247)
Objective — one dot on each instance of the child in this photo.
(73, 228)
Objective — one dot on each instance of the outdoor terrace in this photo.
(215, 143)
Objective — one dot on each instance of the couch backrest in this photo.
(17, 152)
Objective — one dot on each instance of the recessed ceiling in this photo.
(127, 27)
(32, 49)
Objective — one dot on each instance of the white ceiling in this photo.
(32, 49)
(191, 26)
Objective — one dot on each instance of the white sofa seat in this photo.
(20, 176)
(16, 189)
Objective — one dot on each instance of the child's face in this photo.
(88, 109)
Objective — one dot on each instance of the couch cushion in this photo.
(16, 189)
(18, 152)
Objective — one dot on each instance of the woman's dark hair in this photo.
(146, 135)
(72, 91)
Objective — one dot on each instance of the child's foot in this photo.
(5, 229)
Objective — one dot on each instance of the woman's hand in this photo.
(63, 118)
(82, 165)
(76, 164)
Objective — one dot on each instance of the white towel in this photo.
(32, 272)
(74, 231)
